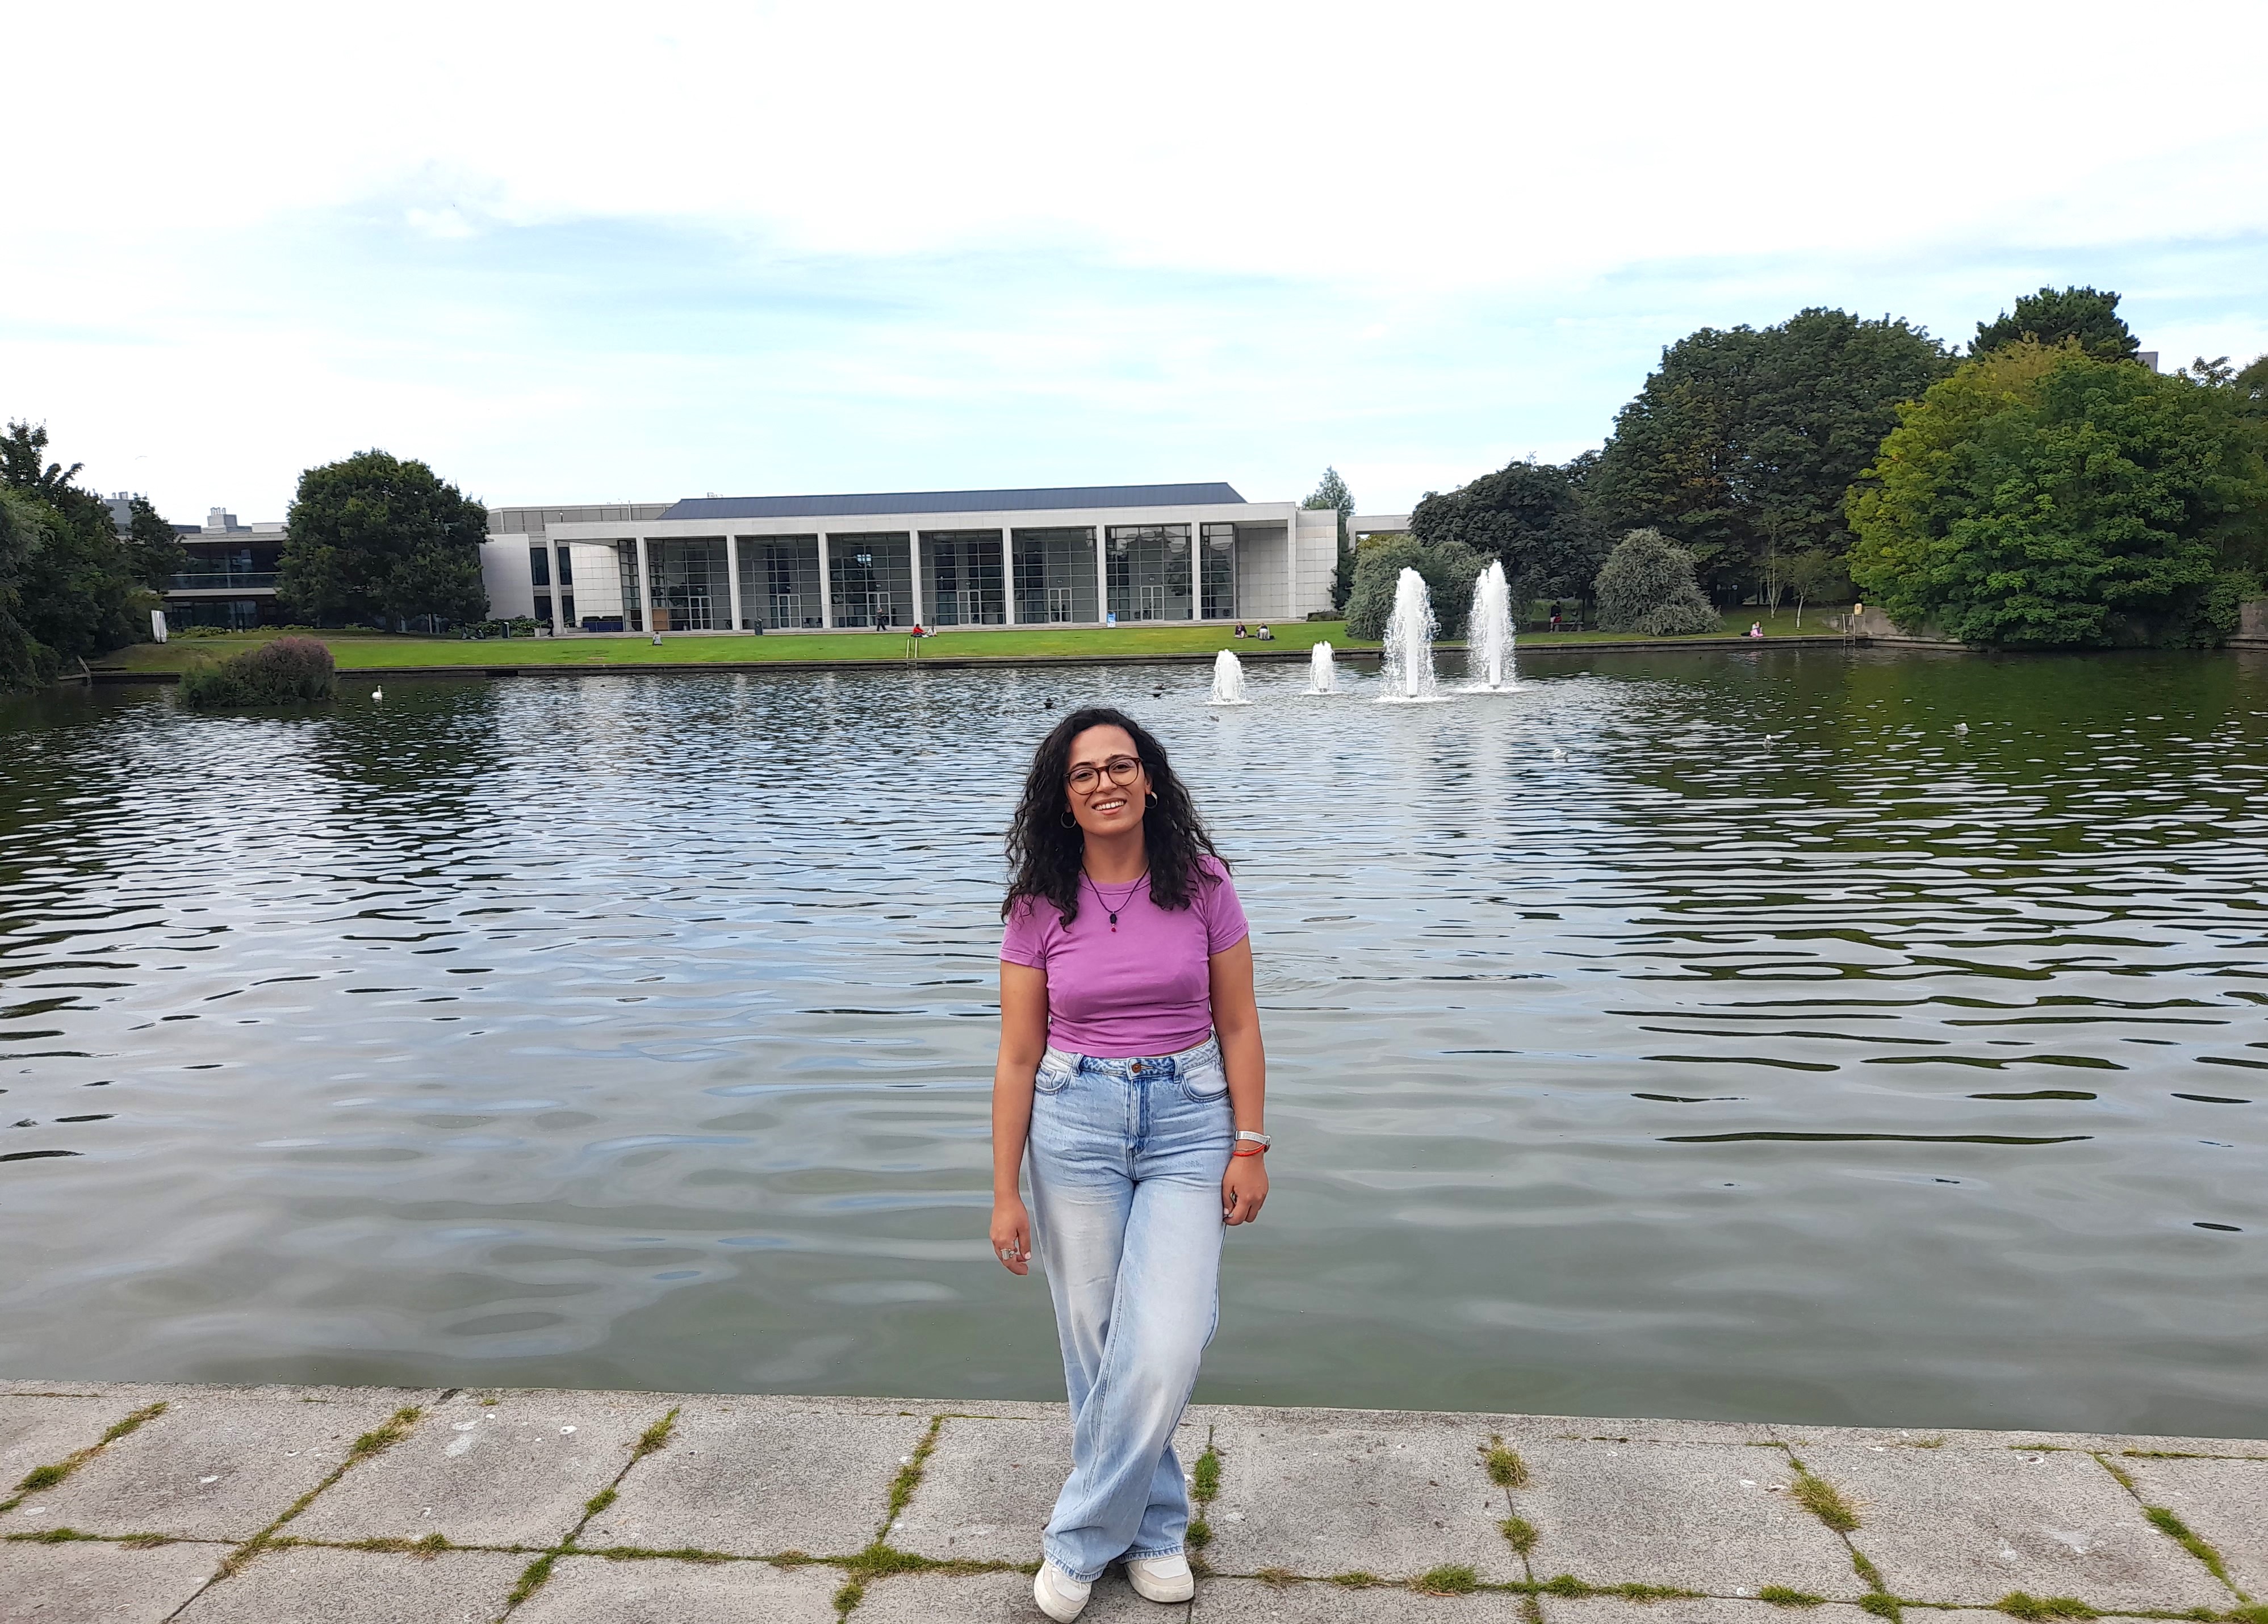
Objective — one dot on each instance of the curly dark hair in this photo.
(1047, 857)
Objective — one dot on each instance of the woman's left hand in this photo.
(1243, 1187)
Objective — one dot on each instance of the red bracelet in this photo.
(1259, 1150)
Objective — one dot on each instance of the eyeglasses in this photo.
(1122, 769)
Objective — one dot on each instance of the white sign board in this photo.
(157, 626)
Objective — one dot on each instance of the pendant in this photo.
(1114, 924)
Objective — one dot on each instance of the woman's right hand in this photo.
(1012, 1234)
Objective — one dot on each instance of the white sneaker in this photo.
(1061, 1597)
(1162, 1578)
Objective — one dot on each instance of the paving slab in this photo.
(987, 1490)
(1971, 1525)
(221, 1463)
(989, 1487)
(1568, 1428)
(517, 1470)
(591, 1590)
(308, 1585)
(1390, 1497)
(753, 1477)
(1701, 1517)
(2224, 1503)
(1714, 1610)
(1250, 1601)
(999, 1598)
(88, 1582)
(40, 1431)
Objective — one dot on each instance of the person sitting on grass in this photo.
(1263, 635)
(1239, 632)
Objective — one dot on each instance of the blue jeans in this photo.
(1126, 1158)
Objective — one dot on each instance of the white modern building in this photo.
(961, 558)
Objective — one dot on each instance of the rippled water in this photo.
(1708, 1034)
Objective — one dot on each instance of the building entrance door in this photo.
(1149, 603)
(1059, 603)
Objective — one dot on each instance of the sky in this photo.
(574, 252)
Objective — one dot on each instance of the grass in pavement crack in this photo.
(909, 1476)
(2172, 1526)
(1824, 1501)
(1449, 1579)
(2017, 1605)
(1505, 1468)
(1205, 1488)
(47, 1476)
(376, 1440)
(1781, 1596)
(532, 1576)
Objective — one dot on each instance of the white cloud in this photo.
(1237, 239)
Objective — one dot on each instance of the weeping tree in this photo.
(1448, 570)
(1646, 585)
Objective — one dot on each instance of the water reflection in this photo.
(1712, 1034)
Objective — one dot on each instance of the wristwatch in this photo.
(1262, 1140)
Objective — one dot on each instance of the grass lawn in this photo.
(363, 651)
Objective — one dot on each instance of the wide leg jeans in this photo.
(1126, 1158)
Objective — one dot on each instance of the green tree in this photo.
(1741, 444)
(78, 589)
(2046, 496)
(1646, 585)
(2082, 315)
(1331, 492)
(25, 661)
(375, 538)
(153, 546)
(1530, 515)
(1449, 570)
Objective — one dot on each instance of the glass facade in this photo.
(967, 585)
(1055, 575)
(235, 614)
(871, 579)
(688, 584)
(779, 582)
(1148, 567)
(1216, 573)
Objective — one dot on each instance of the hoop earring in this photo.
(1066, 820)
(1151, 800)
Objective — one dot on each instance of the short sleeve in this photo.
(1224, 916)
(1023, 941)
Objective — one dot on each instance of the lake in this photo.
(1710, 1033)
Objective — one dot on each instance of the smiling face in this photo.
(1104, 806)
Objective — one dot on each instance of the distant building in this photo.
(1376, 525)
(230, 579)
(1067, 555)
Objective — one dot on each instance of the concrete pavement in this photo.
(134, 1505)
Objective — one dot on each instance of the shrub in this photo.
(273, 674)
(1646, 585)
(1449, 568)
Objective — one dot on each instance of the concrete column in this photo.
(913, 557)
(559, 588)
(1197, 570)
(1008, 570)
(644, 590)
(1101, 574)
(733, 579)
(826, 586)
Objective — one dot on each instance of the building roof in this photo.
(1050, 497)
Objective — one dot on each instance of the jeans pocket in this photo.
(1203, 1084)
(1052, 1078)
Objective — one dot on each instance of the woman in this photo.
(1131, 1069)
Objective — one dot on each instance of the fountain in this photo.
(1227, 680)
(1322, 677)
(1408, 677)
(1488, 635)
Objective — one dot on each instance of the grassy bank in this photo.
(370, 650)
